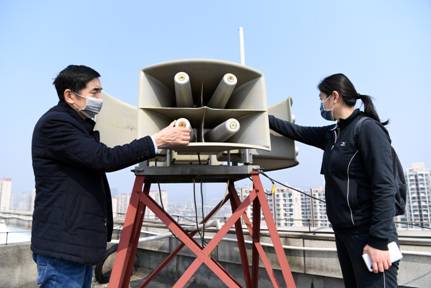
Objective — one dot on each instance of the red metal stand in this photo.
(140, 199)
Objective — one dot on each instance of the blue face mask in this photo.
(327, 115)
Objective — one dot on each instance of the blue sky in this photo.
(383, 46)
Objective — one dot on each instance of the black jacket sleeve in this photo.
(73, 145)
(314, 136)
(375, 150)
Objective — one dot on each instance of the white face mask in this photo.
(92, 106)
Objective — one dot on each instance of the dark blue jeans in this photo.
(53, 273)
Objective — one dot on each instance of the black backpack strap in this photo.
(357, 128)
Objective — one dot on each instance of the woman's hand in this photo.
(380, 260)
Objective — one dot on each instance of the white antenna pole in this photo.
(241, 46)
(246, 156)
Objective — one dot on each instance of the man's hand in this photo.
(171, 136)
(380, 260)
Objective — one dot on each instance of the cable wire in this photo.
(160, 196)
(203, 215)
(289, 187)
(196, 209)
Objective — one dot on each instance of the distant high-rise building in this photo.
(121, 202)
(156, 196)
(418, 206)
(115, 207)
(285, 206)
(244, 192)
(313, 210)
(5, 193)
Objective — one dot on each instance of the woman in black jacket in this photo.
(359, 183)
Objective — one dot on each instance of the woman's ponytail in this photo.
(369, 109)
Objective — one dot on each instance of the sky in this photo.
(384, 47)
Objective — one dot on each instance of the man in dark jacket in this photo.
(72, 219)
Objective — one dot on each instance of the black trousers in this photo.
(355, 273)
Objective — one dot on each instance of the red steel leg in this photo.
(256, 239)
(123, 265)
(259, 248)
(169, 258)
(126, 251)
(275, 237)
(216, 239)
(136, 235)
(191, 244)
(240, 237)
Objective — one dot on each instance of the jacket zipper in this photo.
(348, 186)
(335, 139)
